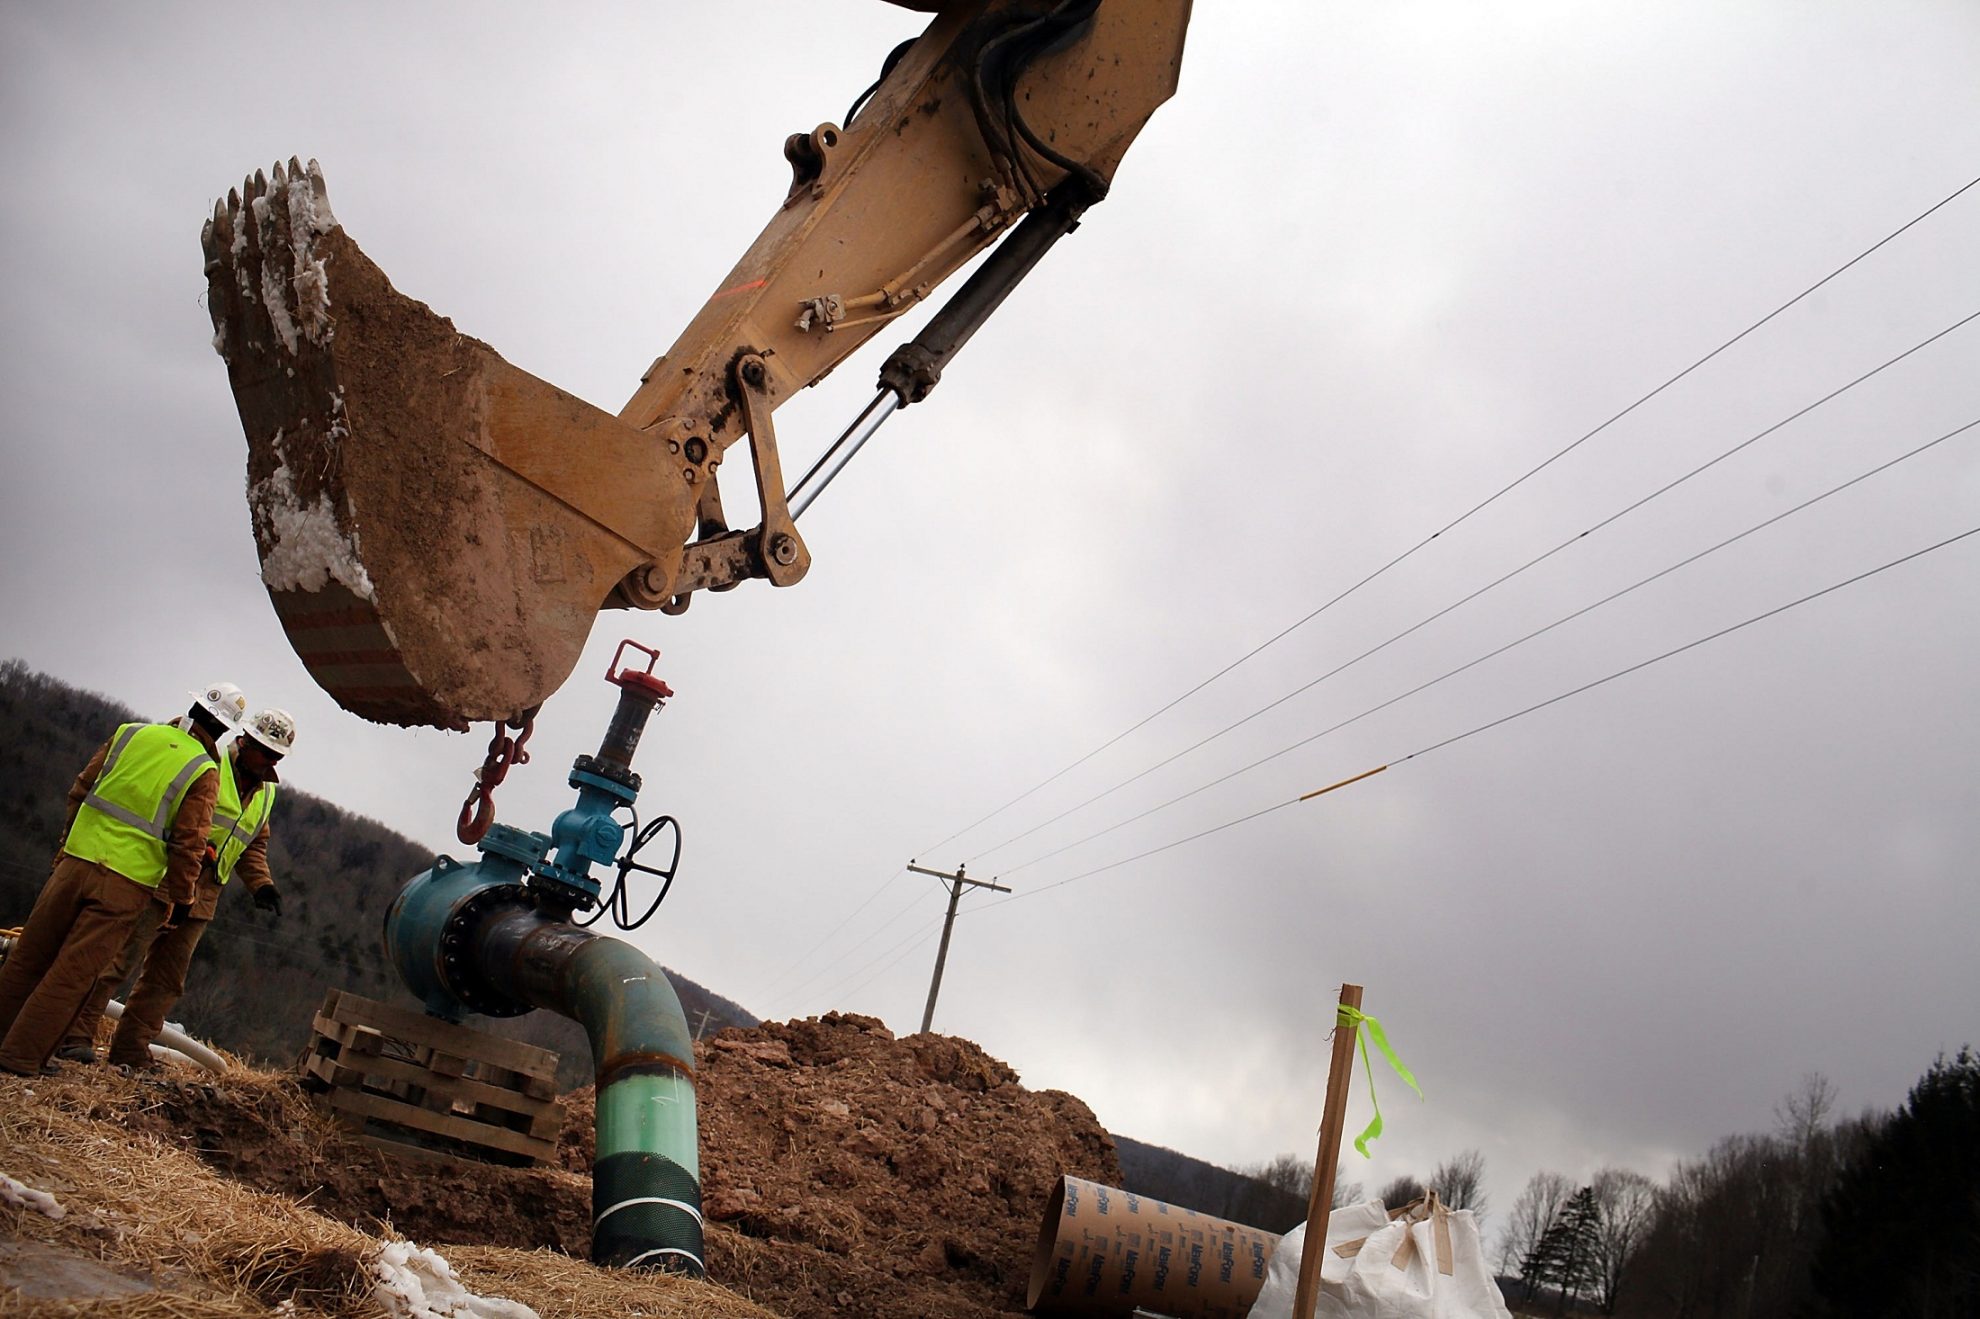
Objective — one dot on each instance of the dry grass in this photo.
(213, 1249)
(552, 1283)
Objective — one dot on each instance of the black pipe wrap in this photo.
(628, 722)
(646, 1230)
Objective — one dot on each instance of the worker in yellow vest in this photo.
(238, 842)
(139, 814)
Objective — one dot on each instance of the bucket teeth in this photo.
(317, 186)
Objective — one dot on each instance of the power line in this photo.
(1689, 645)
(1503, 719)
(791, 992)
(777, 987)
(1493, 654)
(914, 939)
(1461, 518)
(927, 934)
(1501, 580)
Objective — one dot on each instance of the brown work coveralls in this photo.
(166, 955)
(83, 917)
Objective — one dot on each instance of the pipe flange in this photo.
(600, 769)
(456, 941)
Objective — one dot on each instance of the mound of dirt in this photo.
(845, 1172)
(891, 1172)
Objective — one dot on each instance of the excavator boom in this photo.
(439, 528)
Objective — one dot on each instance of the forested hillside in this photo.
(255, 982)
(1178, 1179)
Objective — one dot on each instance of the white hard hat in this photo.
(223, 701)
(274, 729)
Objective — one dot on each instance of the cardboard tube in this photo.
(1102, 1251)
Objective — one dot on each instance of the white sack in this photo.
(1367, 1284)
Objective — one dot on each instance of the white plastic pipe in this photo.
(174, 1043)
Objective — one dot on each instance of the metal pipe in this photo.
(646, 1175)
(832, 462)
(472, 938)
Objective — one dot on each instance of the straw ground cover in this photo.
(146, 1230)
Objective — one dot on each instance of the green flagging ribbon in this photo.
(1369, 1027)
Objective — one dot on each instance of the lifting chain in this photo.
(478, 811)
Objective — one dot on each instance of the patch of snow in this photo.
(273, 299)
(26, 1197)
(303, 275)
(306, 550)
(310, 219)
(412, 1282)
(339, 427)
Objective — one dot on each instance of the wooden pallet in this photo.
(412, 1083)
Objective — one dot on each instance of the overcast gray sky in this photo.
(1370, 265)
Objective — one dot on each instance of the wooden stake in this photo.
(1319, 1205)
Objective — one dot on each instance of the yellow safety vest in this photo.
(123, 822)
(235, 825)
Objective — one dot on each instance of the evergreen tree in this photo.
(1565, 1254)
(1901, 1228)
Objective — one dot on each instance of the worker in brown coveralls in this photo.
(237, 843)
(139, 814)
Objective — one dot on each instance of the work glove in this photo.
(268, 900)
(181, 913)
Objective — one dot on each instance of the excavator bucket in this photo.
(438, 529)
(390, 460)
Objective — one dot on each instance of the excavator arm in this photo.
(439, 528)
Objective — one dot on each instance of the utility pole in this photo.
(955, 884)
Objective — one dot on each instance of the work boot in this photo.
(77, 1053)
(46, 1069)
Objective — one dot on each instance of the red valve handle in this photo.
(646, 680)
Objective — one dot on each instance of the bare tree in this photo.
(1460, 1181)
(1538, 1203)
(1625, 1206)
(1287, 1172)
(1804, 1114)
(1294, 1175)
(1400, 1191)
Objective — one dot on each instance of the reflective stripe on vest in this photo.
(125, 817)
(235, 827)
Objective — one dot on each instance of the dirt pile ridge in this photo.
(845, 1173)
